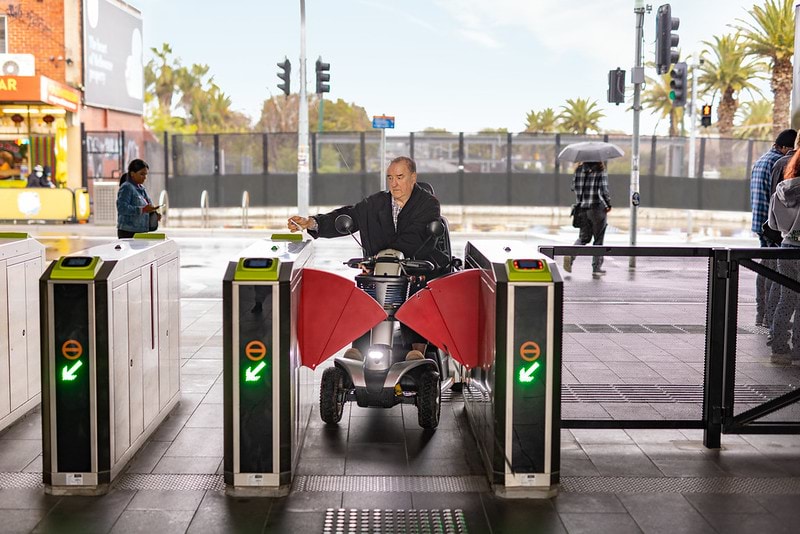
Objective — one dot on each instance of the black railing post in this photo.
(749, 158)
(313, 153)
(461, 168)
(717, 309)
(265, 152)
(509, 167)
(84, 158)
(122, 151)
(702, 158)
(652, 166)
(216, 154)
(557, 182)
(166, 161)
(363, 141)
(410, 146)
(176, 170)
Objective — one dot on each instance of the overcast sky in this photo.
(462, 65)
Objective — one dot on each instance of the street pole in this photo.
(382, 173)
(302, 126)
(637, 77)
(693, 120)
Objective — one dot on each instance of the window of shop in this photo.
(3, 45)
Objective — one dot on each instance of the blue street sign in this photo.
(382, 121)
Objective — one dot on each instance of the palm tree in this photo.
(160, 77)
(729, 71)
(656, 97)
(769, 34)
(756, 120)
(579, 116)
(544, 121)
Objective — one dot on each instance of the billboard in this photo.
(113, 74)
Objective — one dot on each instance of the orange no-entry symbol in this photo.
(71, 349)
(529, 351)
(255, 350)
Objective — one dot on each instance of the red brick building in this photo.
(76, 60)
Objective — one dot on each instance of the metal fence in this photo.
(358, 152)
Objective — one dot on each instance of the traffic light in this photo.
(323, 76)
(616, 86)
(706, 118)
(666, 40)
(677, 84)
(286, 67)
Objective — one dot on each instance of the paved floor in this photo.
(613, 481)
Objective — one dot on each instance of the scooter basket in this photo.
(396, 289)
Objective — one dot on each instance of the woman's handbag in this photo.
(153, 222)
(773, 236)
(578, 216)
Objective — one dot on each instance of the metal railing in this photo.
(163, 201)
(245, 208)
(204, 207)
(723, 334)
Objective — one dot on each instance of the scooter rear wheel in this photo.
(332, 395)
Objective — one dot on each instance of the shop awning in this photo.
(38, 90)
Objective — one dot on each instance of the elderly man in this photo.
(396, 219)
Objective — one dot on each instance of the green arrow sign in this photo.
(68, 374)
(251, 375)
(526, 375)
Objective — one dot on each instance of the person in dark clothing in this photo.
(38, 178)
(590, 184)
(396, 219)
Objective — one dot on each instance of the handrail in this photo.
(204, 216)
(245, 208)
(163, 201)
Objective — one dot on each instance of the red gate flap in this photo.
(332, 313)
(446, 314)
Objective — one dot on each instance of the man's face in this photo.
(400, 181)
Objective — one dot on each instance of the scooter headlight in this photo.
(376, 355)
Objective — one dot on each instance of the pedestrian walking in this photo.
(760, 188)
(784, 216)
(592, 204)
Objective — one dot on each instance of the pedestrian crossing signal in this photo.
(706, 118)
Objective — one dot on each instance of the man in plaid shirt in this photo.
(593, 202)
(760, 186)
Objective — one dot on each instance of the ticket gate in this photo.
(110, 358)
(513, 394)
(21, 264)
(268, 394)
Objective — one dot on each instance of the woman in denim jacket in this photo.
(133, 204)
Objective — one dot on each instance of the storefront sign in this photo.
(38, 90)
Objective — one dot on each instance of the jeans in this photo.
(767, 292)
(594, 227)
(788, 305)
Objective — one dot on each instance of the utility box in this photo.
(110, 358)
(268, 394)
(513, 397)
(21, 264)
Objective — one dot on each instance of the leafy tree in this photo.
(432, 129)
(341, 116)
(493, 131)
(205, 107)
(755, 120)
(279, 114)
(729, 71)
(545, 121)
(579, 116)
(769, 35)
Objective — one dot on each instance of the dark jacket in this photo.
(778, 170)
(373, 218)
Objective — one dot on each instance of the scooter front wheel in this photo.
(332, 395)
(429, 399)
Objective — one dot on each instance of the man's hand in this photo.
(149, 209)
(297, 223)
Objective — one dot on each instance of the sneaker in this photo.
(599, 271)
(414, 355)
(781, 359)
(354, 354)
(568, 263)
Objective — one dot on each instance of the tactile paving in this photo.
(379, 484)
(352, 520)
(726, 485)
(136, 481)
